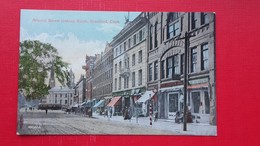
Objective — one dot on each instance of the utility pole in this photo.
(187, 41)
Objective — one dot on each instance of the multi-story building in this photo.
(62, 95)
(89, 75)
(102, 78)
(80, 90)
(166, 62)
(130, 61)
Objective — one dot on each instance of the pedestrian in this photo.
(155, 116)
(46, 111)
(110, 110)
(126, 113)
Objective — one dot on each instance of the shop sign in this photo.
(198, 81)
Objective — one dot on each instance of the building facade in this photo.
(130, 61)
(102, 78)
(166, 64)
(88, 67)
(62, 95)
(80, 90)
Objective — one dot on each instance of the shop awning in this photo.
(204, 85)
(114, 101)
(100, 103)
(86, 104)
(147, 95)
(76, 105)
(173, 88)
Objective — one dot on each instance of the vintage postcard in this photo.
(110, 73)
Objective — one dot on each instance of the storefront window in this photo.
(195, 96)
(173, 103)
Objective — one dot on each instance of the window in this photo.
(150, 72)
(203, 18)
(173, 26)
(169, 67)
(134, 39)
(173, 29)
(151, 37)
(162, 69)
(116, 51)
(140, 35)
(129, 43)
(120, 48)
(60, 95)
(155, 34)
(182, 63)
(127, 81)
(140, 56)
(124, 46)
(66, 101)
(119, 84)
(193, 59)
(140, 77)
(120, 65)
(133, 79)
(176, 69)
(155, 70)
(193, 20)
(115, 68)
(173, 16)
(133, 59)
(124, 82)
(204, 56)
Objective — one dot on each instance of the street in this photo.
(57, 122)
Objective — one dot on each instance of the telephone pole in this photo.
(187, 41)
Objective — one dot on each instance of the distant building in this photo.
(62, 95)
(80, 91)
(102, 74)
(88, 67)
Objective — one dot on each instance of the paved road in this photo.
(36, 122)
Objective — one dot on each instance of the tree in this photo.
(36, 61)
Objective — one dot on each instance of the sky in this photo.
(73, 33)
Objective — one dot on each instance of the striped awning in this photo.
(147, 95)
(114, 101)
(100, 103)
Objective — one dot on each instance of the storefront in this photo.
(199, 98)
(116, 105)
(170, 100)
(145, 100)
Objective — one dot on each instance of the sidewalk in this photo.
(165, 124)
